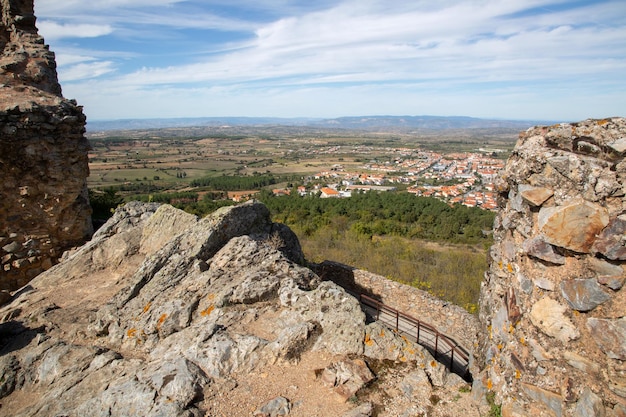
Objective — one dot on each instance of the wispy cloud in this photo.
(289, 49)
(86, 70)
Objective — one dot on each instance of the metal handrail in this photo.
(421, 331)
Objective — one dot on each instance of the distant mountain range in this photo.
(353, 123)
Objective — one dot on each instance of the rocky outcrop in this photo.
(162, 313)
(43, 154)
(552, 305)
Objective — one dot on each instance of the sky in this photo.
(506, 59)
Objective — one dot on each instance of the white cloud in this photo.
(54, 30)
(85, 70)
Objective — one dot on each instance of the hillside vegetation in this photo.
(415, 240)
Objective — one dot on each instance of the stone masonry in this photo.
(44, 207)
(553, 307)
(449, 319)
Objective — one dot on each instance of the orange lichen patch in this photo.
(511, 328)
(518, 374)
(433, 364)
(500, 264)
(382, 333)
(147, 307)
(509, 267)
(131, 332)
(368, 341)
(500, 346)
(522, 341)
(161, 320)
(489, 384)
(211, 297)
(404, 338)
(602, 122)
(207, 310)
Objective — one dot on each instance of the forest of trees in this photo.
(235, 182)
(383, 214)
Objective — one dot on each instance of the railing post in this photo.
(436, 343)
(377, 311)
(452, 359)
(418, 331)
(397, 321)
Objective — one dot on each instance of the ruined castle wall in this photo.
(553, 306)
(447, 318)
(44, 206)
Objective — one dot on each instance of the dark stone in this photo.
(611, 242)
(540, 249)
(279, 406)
(583, 294)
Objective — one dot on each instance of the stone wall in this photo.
(446, 317)
(553, 307)
(44, 206)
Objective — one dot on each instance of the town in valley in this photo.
(457, 166)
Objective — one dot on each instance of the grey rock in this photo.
(347, 377)
(339, 316)
(583, 294)
(589, 405)
(363, 410)
(279, 406)
(610, 335)
(551, 400)
(544, 283)
(12, 247)
(581, 363)
(611, 242)
(437, 373)
(166, 223)
(416, 385)
(9, 367)
(540, 249)
(608, 273)
(383, 343)
(619, 145)
(179, 381)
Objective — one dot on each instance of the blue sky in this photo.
(512, 59)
